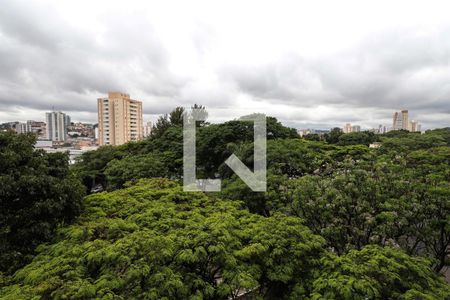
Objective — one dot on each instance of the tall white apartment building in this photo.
(148, 129)
(56, 125)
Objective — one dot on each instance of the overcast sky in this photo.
(314, 64)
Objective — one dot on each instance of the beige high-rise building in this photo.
(405, 120)
(401, 120)
(414, 126)
(119, 119)
(396, 121)
(347, 128)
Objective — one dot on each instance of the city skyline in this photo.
(305, 72)
(413, 125)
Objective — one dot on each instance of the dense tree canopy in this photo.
(37, 193)
(339, 220)
(397, 194)
(377, 273)
(357, 138)
(333, 136)
(153, 241)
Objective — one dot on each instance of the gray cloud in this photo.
(45, 61)
(401, 69)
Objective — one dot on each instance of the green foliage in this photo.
(37, 193)
(402, 141)
(312, 137)
(276, 130)
(132, 168)
(295, 157)
(215, 143)
(357, 138)
(378, 273)
(324, 229)
(362, 203)
(263, 203)
(334, 135)
(153, 241)
(92, 164)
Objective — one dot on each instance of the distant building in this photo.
(347, 128)
(96, 135)
(8, 126)
(303, 132)
(382, 129)
(148, 129)
(119, 119)
(22, 128)
(414, 126)
(81, 130)
(405, 120)
(396, 121)
(57, 124)
(38, 128)
(74, 153)
(401, 121)
(43, 144)
(375, 145)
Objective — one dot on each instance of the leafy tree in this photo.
(132, 168)
(276, 130)
(295, 157)
(398, 133)
(378, 273)
(37, 194)
(312, 137)
(161, 125)
(414, 141)
(333, 136)
(176, 116)
(357, 138)
(216, 142)
(382, 203)
(263, 203)
(91, 165)
(153, 241)
(348, 193)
